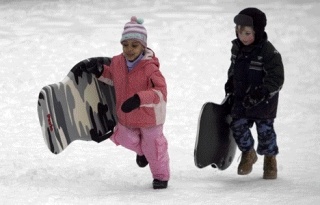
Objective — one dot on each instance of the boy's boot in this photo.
(141, 161)
(247, 160)
(270, 167)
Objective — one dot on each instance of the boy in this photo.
(255, 78)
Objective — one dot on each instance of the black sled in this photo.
(215, 144)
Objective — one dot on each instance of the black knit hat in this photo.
(252, 17)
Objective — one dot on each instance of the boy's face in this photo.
(245, 34)
(132, 49)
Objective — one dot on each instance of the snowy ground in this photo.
(41, 40)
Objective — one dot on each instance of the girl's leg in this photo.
(128, 138)
(155, 147)
(267, 138)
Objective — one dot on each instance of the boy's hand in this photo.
(131, 104)
(255, 97)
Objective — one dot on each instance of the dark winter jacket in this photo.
(253, 66)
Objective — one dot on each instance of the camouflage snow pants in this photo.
(267, 138)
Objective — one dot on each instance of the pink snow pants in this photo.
(149, 142)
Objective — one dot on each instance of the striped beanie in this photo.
(135, 30)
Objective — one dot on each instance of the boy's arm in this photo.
(228, 87)
(272, 81)
(273, 67)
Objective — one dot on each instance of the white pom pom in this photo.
(140, 21)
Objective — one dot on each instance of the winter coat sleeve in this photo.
(106, 76)
(234, 51)
(157, 89)
(273, 67)
(230, 71)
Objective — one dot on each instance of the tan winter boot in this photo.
(247, 160)
(270, 167)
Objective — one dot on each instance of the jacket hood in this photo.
(255, 18)
(149, 57)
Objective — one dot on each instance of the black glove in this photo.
(131, 104)
(93, 66)
(228, 87)
(255, 97)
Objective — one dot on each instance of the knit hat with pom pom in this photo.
(135, 30)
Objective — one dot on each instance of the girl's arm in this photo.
(106, 76)
(157, 90)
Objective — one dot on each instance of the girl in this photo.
(141, 95)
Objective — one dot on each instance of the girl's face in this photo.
(245, 34)
(132, 49)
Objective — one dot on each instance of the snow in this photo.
(41, 40)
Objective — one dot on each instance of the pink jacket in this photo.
(145, 80)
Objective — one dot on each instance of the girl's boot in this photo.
(142, 161)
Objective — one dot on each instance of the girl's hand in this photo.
(131, 104)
